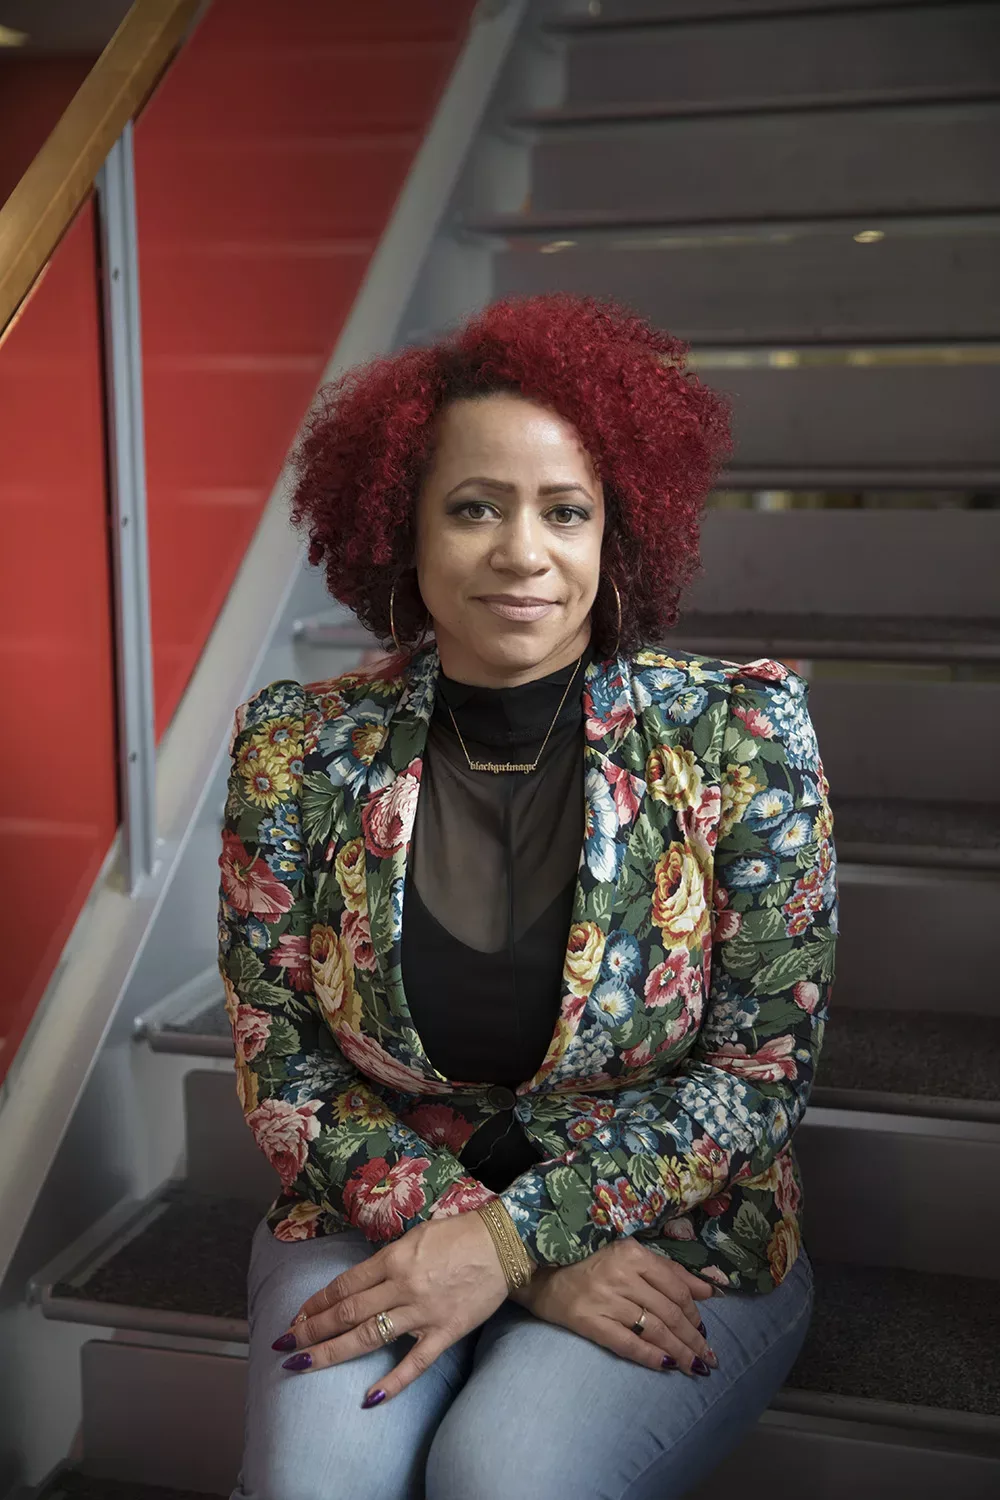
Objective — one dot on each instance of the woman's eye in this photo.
(473, 505)
(569, 512)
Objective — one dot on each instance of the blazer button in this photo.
(501, 1098)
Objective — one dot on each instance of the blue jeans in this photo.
(516, 1407)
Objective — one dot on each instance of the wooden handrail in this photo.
(44, 202)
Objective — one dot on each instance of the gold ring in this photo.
(384, 1324)
(640, 1322)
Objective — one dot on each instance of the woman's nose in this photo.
(520, 546)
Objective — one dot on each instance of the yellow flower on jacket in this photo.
(680, 906)
(583, 958)
(362, 1107)
(247, 1086)
(266, 769)
(673, 775)
(333, 978)
(738, 787)
(783, 1248)
(349, 868)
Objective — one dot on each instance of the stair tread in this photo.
(913, 822)
(912, 1052)
(905, 1337)
(897, 1336)
(980, 630)
(71, 1483)
(191, 1259)
(212, 1021)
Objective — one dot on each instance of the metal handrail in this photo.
(45, 201)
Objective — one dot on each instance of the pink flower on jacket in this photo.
(387, 816)
(726, 924)
(283, 1132)
(251, 1029)
(616, 1206)
(300, 1223)
(439, 1126)
(769, 1064)
(675, 979)
(461, 1198)
(355, 931)
(377, 1197)
(757, 723)
(248, 884)
(766, 668)
(372, 1060)
(806, 995)
(292, 955)
(700, 824)
(626, 790)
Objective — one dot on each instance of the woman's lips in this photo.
(518, 611)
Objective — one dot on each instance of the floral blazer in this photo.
(697, 972)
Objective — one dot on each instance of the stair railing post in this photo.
(115, 189)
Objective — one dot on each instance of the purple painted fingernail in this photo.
(286, 1342)
(372, 1400)
(699, 1366)
(702, 1329)
(297, 1362)
(711, 1357)
(667, 1363)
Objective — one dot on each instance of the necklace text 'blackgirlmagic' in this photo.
(509, 765)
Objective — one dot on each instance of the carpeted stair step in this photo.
(911, 1062)
(70, 1484)
(898, 1337)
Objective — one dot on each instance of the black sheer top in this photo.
(489, 894)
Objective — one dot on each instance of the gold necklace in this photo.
(508, 765)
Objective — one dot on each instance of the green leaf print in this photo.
(800, 963)
(555, 1242)
(709, 733)
(751, 1225)
(320, 800)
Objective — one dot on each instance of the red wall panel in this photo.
(58, 778)
(34, 91)
(268, 164)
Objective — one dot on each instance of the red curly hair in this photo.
(655, 434)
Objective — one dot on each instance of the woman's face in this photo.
(511, 509)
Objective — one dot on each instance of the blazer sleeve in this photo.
(340, 1152)
(636, 1159)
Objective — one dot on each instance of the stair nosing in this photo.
(575, 117)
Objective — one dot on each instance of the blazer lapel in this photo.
(614, 789)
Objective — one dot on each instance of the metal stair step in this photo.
(608, 15)
(911, 1062)
(746, 634)
(768, 58)
(207, 1034)
(905, 831)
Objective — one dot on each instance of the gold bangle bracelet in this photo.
(514, 1259)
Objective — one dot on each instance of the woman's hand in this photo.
(438, 1282)
(600, 1298)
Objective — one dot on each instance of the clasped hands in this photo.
(443, 1278)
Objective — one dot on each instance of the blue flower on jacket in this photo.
(720, 1107)
(686, 706)
(788, 713)
(607, 699)
(585, 1056)
(281, 843)
(793, 835)
(350, 741)
(656, 685)
(256, 935)
(622, 956)
(318, 1075)
(603, 855)
(611, 1003)
(750, 872)
(396, 902)
(639, 1138)
(768, 808)
(728, 1013)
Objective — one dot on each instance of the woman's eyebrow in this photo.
(499, 484)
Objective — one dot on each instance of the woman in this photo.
(527, 940)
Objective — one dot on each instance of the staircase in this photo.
(809, 193)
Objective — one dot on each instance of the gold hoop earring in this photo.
(392, 624)
(618, 601)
